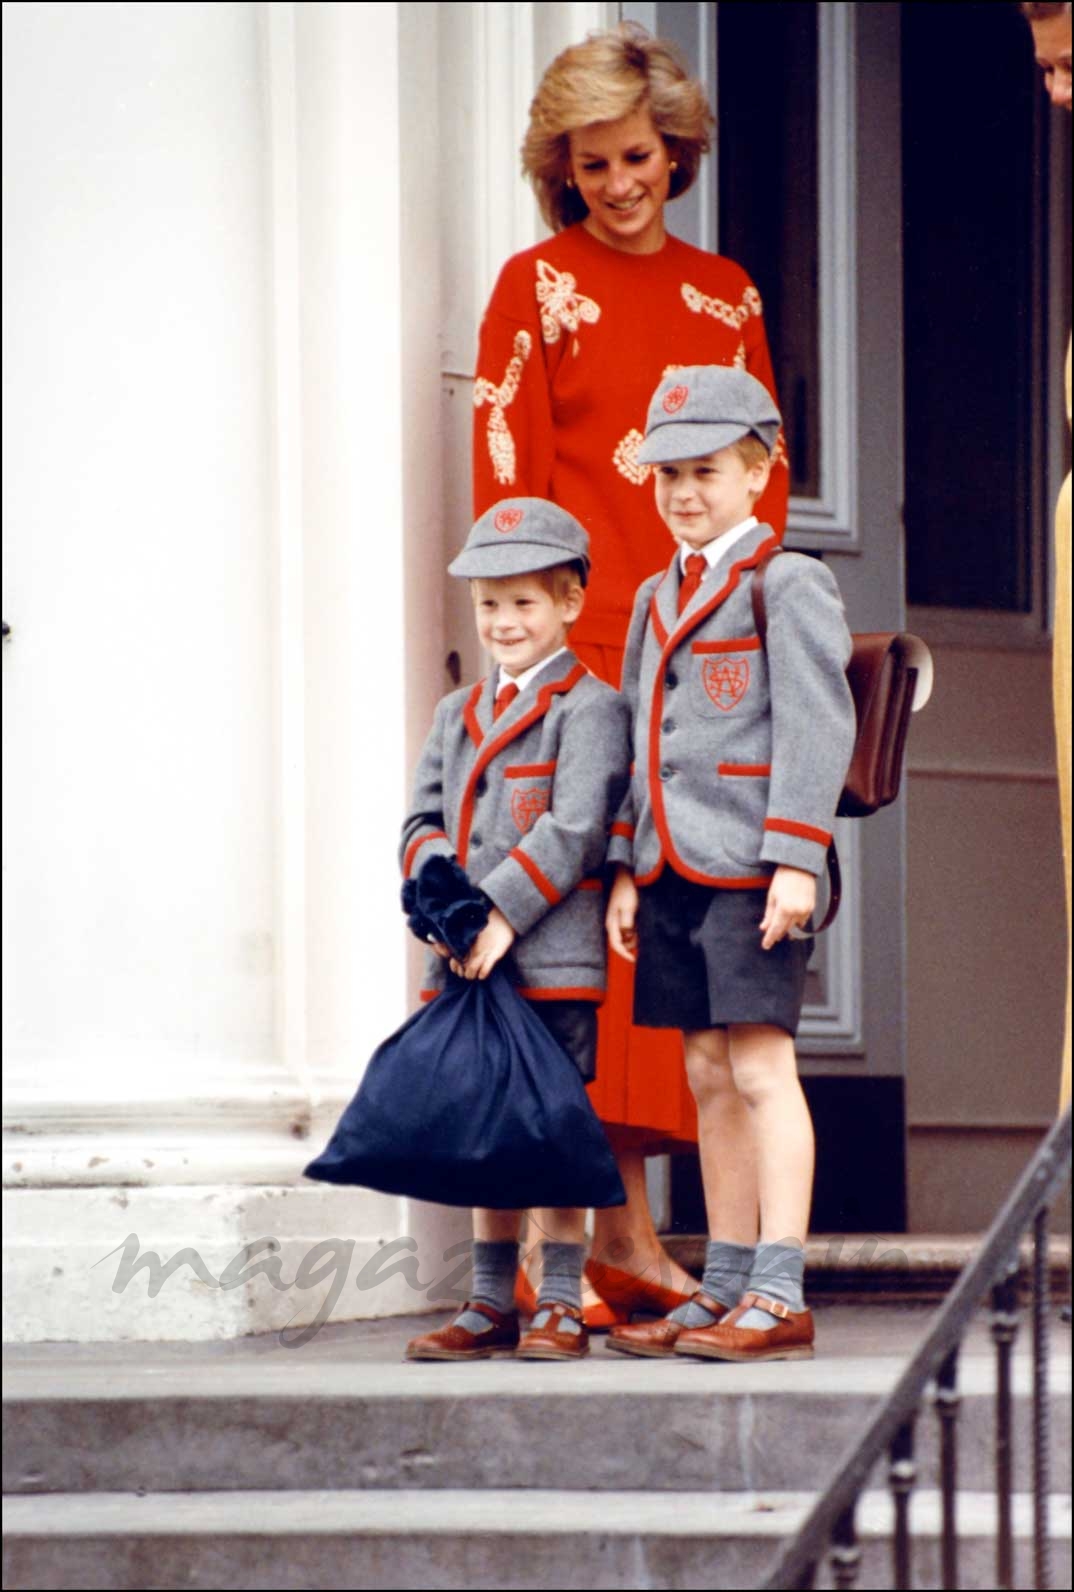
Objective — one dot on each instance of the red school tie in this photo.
(696, 565)
(504, 697)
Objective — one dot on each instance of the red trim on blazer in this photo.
(427, 995)
(469, 714)
(659, 628)
(545, 886)
(656, 715)
(625, 830)
(743, 644)
(744, 768)
(416, 845)
(493, 747)
(581, 993)
(788, 826)
(528, 770)
(759, 882)
(590, 884)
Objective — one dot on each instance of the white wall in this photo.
(137, 712)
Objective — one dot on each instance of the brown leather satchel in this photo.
(889, 674)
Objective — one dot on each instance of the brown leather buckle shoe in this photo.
(550, 1342)
(790, 1339)
(456, 1343)
(656, 1340)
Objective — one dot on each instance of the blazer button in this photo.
(482, 786)
(666, 773)
(475, 840)
(667, 726)
(671, 681)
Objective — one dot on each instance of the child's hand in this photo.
(622, 914)
(792, 895)
(494, 941)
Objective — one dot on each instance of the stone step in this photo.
(543, 1539)
(279, 1420)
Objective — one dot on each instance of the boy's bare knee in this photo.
(708, 1069)
(761, 1060)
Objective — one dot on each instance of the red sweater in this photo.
(575, 338)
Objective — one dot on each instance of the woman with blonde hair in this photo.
(578, 332)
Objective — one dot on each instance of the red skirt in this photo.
(641, 1086)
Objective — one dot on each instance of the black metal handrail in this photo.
(830, 1524)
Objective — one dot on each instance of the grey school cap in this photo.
(518, 536)
(700, 408)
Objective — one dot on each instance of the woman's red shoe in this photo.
(623, 1295)
(525, 1298)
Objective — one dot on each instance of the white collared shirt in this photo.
(522, 680)
(719, 545)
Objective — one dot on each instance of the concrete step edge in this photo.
(502, 1514)
(603, 1375)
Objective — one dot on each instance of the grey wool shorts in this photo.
(700, 962)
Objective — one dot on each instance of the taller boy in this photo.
(741, 752)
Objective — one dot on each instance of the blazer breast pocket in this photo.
(527, 794)
(728, 679)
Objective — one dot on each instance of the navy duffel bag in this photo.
(472, 1102)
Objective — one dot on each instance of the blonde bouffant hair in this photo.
(609, 76)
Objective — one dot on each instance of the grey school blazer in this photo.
(526, 804)
(741, 752)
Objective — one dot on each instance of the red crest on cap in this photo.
(507, 519)
(674, 400)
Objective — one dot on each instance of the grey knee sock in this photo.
(495, 1265)
(561, 1282)
(776, 1273)
(726, 1268)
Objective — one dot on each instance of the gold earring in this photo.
(570, 182)
(673, 165)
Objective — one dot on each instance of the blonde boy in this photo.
(740, 755)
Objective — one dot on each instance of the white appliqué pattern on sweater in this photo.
(500, 441)
(562, 307)
(732, 315)
(625, 458)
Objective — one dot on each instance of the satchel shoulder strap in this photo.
(760, 612)
(760, 623)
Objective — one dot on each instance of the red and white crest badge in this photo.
(674, 400)
(527, 805)
(508, 519)
(726, 680)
